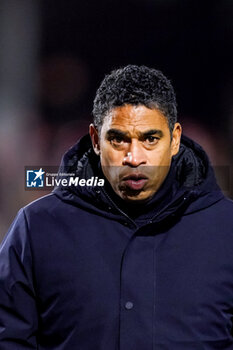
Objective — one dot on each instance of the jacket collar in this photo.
(191, 177)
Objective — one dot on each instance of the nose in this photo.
(135, 155)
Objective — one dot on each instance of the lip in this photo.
(135, 181)
(135, 176)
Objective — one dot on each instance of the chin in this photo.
(140, 198)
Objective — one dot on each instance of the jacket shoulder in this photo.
(221, 212)
(46, 203)
(226, 203)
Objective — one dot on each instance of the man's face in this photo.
(135, 149)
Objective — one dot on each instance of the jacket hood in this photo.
(194, 177)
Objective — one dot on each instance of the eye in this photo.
(117, 140)
(151, 140)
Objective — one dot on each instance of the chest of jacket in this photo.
(145, 286)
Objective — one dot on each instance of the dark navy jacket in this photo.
(79, 273)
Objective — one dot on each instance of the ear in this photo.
(176, 135)
(95, 139)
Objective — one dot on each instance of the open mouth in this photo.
(135, 181)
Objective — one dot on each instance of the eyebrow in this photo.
(117, 132)
(151, 132)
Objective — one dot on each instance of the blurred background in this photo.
(54, 54)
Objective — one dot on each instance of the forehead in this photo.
(138, 118)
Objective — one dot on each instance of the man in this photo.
(144, 262)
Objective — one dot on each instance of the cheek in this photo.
(111, 172)
(110, 157)
(159, 158)
(164, 158)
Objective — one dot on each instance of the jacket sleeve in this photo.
(18, 313)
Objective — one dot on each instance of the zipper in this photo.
(118, 209)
